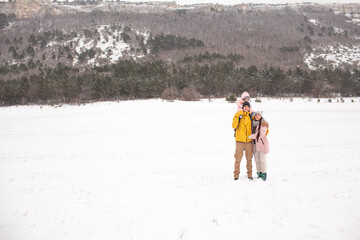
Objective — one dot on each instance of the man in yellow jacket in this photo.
(242, 125)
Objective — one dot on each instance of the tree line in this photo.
(6, 19)
(129, 79)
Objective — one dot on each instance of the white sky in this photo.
(234, 2)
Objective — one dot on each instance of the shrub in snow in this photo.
(232, 98)
(329, 100)
(170, 94)
(352, 100)
(318, 100)
(190, 94)
(291, 99)
(342, 100)
(257, 100)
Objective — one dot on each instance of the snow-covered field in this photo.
(164, 170)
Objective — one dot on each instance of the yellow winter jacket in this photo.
(243, 130)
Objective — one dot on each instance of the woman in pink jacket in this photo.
(261, 145)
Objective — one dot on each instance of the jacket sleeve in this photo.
(252, 114)
(235, 122)
(263, 131)
(240, 103)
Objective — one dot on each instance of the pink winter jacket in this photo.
(241, 101)
(263, 144)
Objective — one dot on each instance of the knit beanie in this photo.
(246, 104)
(245, 95)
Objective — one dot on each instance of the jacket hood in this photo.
(245, 94)
(265, 123)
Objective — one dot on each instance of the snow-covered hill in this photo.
(163, 170)
(307, 35)
(334, 56)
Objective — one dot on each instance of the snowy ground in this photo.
(159, 170)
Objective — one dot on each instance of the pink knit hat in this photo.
(244, 97)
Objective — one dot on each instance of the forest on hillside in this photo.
(173, 54)
(280, 38)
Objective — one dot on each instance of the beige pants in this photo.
(260, 159)
(240, 147)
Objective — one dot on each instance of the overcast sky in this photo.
(233, 2)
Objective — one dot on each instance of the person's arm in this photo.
(240, 103)
(235, 122)
(263, 131)
(252, 114)
(253, 136)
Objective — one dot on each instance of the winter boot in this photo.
(263, 176)
(259, 174)
(236, 178)
(250, 178)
